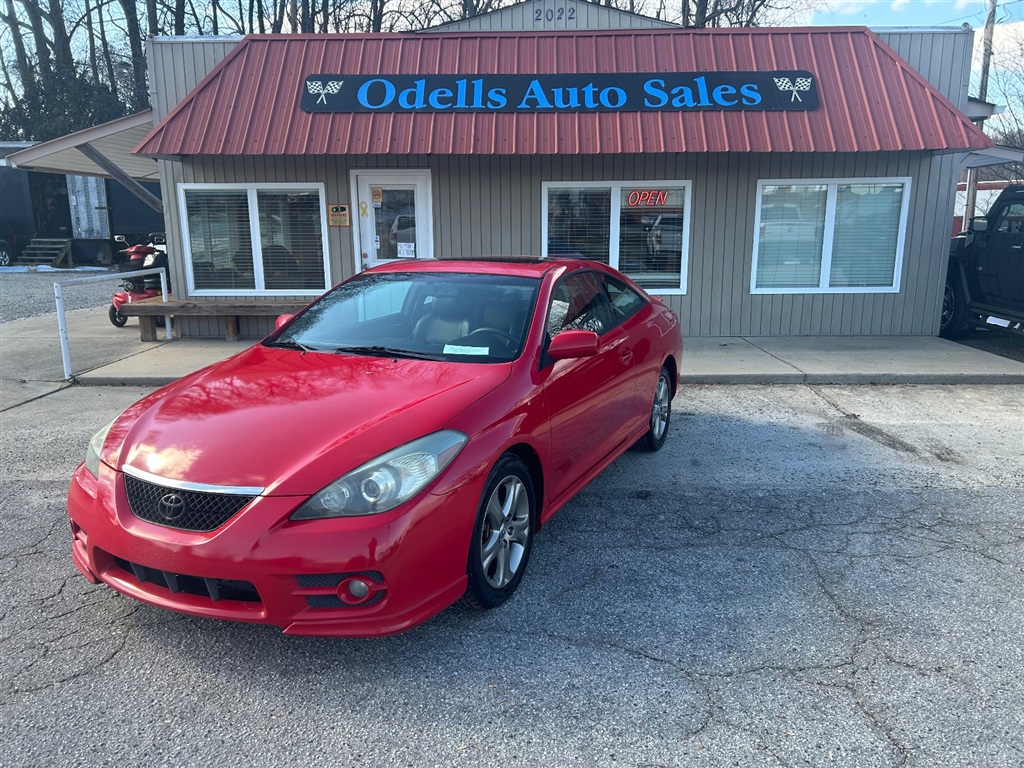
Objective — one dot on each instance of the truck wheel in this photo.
(956, 320)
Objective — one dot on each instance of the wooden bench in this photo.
(148, 310)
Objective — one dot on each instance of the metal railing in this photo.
(58, 293)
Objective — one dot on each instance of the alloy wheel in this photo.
(505, 533)
(660, 408)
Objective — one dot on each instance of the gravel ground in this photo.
(997, 342)
(30, 294)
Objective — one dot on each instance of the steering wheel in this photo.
(510, 340)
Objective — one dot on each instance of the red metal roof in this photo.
(870, 99)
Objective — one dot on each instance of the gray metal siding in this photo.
(942, 57)
(522, 16)
(493, 205)
(177, 65)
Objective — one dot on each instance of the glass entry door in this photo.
(392, 216)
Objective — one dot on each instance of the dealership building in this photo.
(795, 181)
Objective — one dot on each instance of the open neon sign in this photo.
(648, 197)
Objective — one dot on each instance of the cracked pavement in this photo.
(803, 576)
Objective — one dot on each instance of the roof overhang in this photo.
(993, 156)
(978, 110)
(76, 153)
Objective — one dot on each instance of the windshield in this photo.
(423, 315)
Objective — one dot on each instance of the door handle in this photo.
(626, 356)
(1015, 247)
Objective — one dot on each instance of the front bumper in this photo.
(261, 567)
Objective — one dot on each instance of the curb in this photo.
(878, 379)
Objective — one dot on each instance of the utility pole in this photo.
(986, 63)
(986, 50)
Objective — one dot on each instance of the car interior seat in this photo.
(506, 316)
(445, 322)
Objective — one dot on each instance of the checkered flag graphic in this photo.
(786, 85)
(331, 87)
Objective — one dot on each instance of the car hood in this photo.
(291, 422)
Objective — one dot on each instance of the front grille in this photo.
(320, 579)
(184, 510)
(215, 589)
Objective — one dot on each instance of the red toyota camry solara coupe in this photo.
(394, 447)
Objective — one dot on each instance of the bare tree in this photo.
(1006, 87)
(16, 30)
(41, 39)
(140, 89)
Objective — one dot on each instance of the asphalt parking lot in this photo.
(803, 576)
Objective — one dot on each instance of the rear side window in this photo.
(625, 301)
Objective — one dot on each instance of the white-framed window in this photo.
(829, 235)
(641, 228)
(254, 239)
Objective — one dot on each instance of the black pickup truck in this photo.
(985, 278)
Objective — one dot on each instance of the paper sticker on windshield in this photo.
(458, 349)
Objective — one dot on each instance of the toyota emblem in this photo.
(171, 506)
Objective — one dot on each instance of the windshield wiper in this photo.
(375, 351)
(291, 344)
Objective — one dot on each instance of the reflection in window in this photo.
(220, 239)
(1011, 219)
(640, 228)
(789, 238)
(395, 221)
(580, 303)
(289, 255)
(293, 250)
(866, 234)
(830, 236)
(651, 236)
(578, 223)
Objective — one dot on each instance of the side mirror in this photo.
(978, 224)
(572, 344)
(282, 320)
(120, 239)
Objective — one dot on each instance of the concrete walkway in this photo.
(30, 359)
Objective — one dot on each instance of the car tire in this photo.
(116, 318)
(661, 414)
(955, 322)
(502, 535)
(6, 257)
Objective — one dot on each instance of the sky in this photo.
(916, 13)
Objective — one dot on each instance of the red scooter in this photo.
(141, 256)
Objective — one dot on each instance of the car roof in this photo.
(510, 265)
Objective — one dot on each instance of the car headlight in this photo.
(92, 456)
(387, 481)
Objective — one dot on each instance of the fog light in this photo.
(358, 589)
